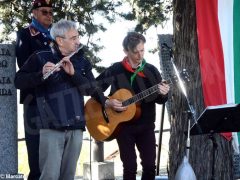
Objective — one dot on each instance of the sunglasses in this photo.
(45, 12)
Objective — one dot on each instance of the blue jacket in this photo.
(28, 41)
(60, 97)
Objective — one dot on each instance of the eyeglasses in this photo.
(73, 38)
(45, 12)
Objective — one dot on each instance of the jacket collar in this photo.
(55, 50)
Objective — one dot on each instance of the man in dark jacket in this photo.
(139, 77)
(34, 37)
(59, 99)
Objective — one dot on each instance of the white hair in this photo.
(61, 27)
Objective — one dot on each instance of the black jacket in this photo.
(28, 41)
(118, 77)
(60, 97)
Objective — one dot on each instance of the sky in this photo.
(113, 37)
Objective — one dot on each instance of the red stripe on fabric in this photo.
(210, 53)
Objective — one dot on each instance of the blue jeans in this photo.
(143, 137)
(58, 153)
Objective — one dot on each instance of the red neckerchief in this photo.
(129, 68)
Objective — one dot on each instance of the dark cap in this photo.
(41, 3)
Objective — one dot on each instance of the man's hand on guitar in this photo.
(115, 104)
(163, 88)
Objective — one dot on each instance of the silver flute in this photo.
(49, 73)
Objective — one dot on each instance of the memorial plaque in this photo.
(8, 114)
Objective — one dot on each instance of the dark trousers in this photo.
(143, 137)
(32, 140)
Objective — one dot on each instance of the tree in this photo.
(16, 14)
(186, 56)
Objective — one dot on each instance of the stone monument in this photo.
(8, 114)
(98, 168)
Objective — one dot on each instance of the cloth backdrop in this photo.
(218, 30)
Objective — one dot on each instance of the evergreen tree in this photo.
(16, 14)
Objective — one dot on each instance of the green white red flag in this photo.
(218, 30)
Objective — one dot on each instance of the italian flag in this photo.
(218, 30)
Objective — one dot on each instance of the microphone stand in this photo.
(181, 175)
(190, 111)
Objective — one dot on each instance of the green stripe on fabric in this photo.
(236, 43)
(238, 137)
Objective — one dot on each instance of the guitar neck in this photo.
(141, 95)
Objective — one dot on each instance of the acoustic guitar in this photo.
(103, 123)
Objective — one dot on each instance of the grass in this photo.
(22, 158)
